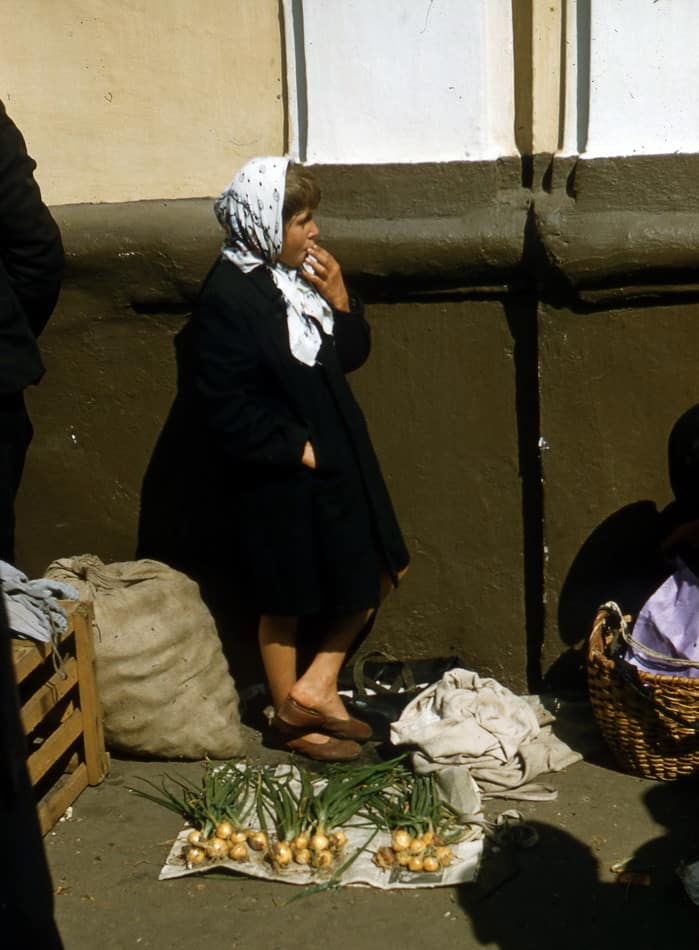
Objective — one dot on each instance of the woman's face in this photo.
(299, 234)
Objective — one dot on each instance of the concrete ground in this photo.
(561, 892)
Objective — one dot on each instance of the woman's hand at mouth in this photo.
(322, 270)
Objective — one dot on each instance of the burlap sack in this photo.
(162, 678)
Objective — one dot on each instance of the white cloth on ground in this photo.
(32, 609)
(475, 730)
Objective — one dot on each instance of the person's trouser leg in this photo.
(26, 891)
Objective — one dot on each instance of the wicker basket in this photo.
(649, 720)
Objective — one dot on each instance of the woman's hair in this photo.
(683, 459)
(302, 191)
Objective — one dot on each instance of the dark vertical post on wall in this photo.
(522, 318)
(300, 79)
(583, 83)
(563, 75)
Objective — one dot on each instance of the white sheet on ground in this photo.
(480, 737)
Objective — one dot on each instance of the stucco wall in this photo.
(447, 435)
(142, 98)
(532, 348)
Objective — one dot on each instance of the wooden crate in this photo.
(61, 715)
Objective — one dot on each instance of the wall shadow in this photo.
(674, 806)
(185, 522)
(621, 560)
(631, 553)
(551, 895)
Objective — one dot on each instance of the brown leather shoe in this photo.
(293, 716)
(334, 750)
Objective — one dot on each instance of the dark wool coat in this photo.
(308, 540)
(31, 262)
(31, 265)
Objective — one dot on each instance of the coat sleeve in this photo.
(30, 241)
(352, 336)
(248, 420)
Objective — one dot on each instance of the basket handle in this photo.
(613, 609)
(629, 673)
(639, 647)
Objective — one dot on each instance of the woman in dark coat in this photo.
(272, 336)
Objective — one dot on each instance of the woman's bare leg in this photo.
(317, 687)
(277, 639)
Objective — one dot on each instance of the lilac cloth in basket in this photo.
(668, 623)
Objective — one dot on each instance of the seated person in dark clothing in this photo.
(681, 517)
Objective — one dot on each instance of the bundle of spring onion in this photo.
(422, 826)
(219, 811)
(309, 821)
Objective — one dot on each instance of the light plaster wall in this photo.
(400, 82)
(630, 71)
(142, 98)
(643, 77)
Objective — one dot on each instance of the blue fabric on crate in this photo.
(665, 636)
(32, 608)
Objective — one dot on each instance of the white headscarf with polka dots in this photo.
(250, 212)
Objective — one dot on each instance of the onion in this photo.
(281, 854)
(300, 842)
(195, 837)
(257, 840)
(415, 863)
(238, 851)
(217, 848)
(323, 859)
(337, 840)
(302, 855)
(400, 840)
(385, 858)
(239, 836)
(403, 858)
(428, 837)
(224, 830)
(194, 856)
(444, 855)
(430, 863)
(417, 846)
(318, 842)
